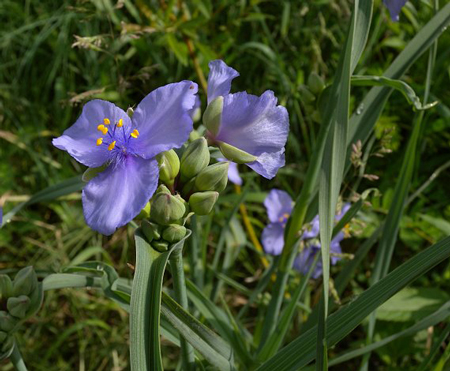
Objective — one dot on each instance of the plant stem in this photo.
(179, 285)
(17, 360)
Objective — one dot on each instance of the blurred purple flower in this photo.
(105, 135)
(233, 172)
(394, 6)
(252, 124)
(279, 207)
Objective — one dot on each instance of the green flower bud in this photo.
(194, 135)
(195, 158)
(6, 286)
(315, 83)
(24, 282)
(163, 189)
(18, 306)
(7, 322)
(212, 118)
(151, 230)
(213, 178)
(202, 203)
(130, 112)
(306, 94)
(166, 209)
(160, 246)
(235, 154)
(169, 166)
(197, 115)
(174, 233)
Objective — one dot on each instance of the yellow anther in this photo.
(135, 133)
(111, 146)
(106, 121)
(99, 141)
(120, 123)
(102, 128)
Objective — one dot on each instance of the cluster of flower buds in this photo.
(190, 185)
(310, 94)
(19, 300)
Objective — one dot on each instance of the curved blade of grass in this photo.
(399, 85)
(145, 306)
(61, 189)
(440, 315)
(302, 350)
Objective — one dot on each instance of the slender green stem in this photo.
(179, 285)
(17, 360)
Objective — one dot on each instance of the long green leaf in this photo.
(399, 85)
(301, 351)
(440, 315)
(145, 307)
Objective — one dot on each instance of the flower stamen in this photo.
(111, 146)
(102, 128)
(120, 123)
(106, 121)
(135, 133)
(99, 141)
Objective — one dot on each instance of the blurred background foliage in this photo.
(56, 55)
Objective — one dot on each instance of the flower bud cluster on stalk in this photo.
(19, 300)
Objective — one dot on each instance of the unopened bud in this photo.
(18, 306)
(315, 83)
(160, 246)
(169, 166)
(166, 209)
(163, 189)
(202, 203)
(145, 212)
(306, 94)
(24, 282)
(212, 118)
(235, 154)
(6, 286)
(195, 158)
(151, 230)
(174, 233)
(213, 178)
(130, 112)
(7, 322)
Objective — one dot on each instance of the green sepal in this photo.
(24, 282)
(92, 172)
(195, 158)
(174, 233)
(235, 154)
(201, 203)
(169, 166)
(18, 306)
(6, 286)
(166, 209)
(213, 178)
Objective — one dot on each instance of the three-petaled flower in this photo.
(279, 207)
(104, 135)
(248, 129)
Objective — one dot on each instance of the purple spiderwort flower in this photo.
(105, 135)
(394, 6)
(279, 207)
(233, 172)
(254, 126)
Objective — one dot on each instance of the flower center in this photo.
(283, 219)
(117, 135)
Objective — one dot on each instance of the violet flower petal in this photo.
(314, 231)
(115, 196)
(257, 126)
(163, 120)
(272, 238)
(279, 206)
(80, 139)
(394, 6)
(219, 79)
